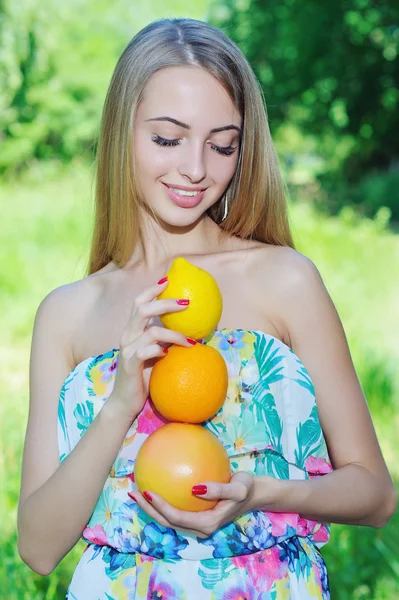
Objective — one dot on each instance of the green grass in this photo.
(45, 234)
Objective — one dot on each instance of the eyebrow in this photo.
(180, 124)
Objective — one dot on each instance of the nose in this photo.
(192, 163)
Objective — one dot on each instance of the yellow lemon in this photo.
(202, 315)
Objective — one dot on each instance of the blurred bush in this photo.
(329, 71)
(375, 194)
(54, 69)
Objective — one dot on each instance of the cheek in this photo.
(223, 169)
(151, 160)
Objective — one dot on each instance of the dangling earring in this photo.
(226, 208)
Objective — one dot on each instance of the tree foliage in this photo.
(331, 67)
(55, 64)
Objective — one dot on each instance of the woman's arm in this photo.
(56, 501)
(360, 491)
(351, 495)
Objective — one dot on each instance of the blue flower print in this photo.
(161, 542)
(232, 339)
(126, 542)
(117, 561)
(239, 538)
(294, 553)
(258, 531)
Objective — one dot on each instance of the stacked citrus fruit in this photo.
(187, 386)
(177, 456)
(202, 315)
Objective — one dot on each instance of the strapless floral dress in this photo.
(269, 425)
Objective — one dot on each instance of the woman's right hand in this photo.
(140, 346)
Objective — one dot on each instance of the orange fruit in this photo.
(177, 456)
(189, 384)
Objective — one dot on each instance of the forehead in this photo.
(191, 95)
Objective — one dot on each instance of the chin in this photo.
(182, 217)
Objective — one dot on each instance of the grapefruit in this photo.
(177, 456)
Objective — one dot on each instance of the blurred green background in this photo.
(328, 70)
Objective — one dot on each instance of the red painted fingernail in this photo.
(131, 496)
(191, 341)
(199, 490)
(165, 350)
(162, 280)
(147, 496)
(183, 302)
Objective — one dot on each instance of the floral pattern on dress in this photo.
(269, 425)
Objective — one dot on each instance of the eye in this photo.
(226, 151)
(164, 142)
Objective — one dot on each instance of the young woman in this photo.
(186, 167)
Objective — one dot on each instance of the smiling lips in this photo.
(185, 197)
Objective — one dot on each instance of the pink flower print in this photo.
(162, 587)
(106, 370)
(317, 466)
(234, 588)
(321, 535)
(149, 419)
(281, 521)
(102, 373)
(264, 568)
(95, 535)
(305, 526)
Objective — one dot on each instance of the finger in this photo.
(211, 490)
(143, 313)
(199, 522)
(158, 516)
(149, 509)
(164, 335)
(149, 344)
(147, 295)
(147, 352)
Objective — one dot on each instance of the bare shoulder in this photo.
(286, 265)
(286, 279)
(64, 309)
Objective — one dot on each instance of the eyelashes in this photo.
(226, 151)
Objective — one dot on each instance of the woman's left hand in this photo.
(234, 499)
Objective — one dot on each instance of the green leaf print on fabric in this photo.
(84, 415)
(213, 571)
(269, 362)
(310, 438)
(266, 412)
(61, 403)
(273, 464)
(304, 377)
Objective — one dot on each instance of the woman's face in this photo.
(186, 143)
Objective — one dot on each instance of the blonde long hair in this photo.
(256, 194)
